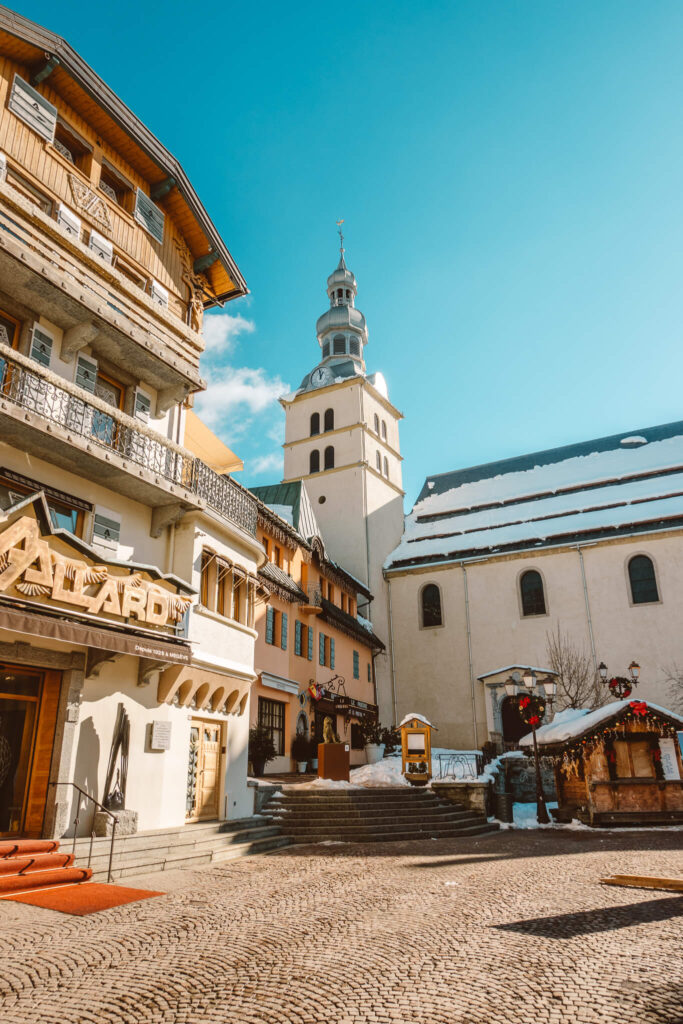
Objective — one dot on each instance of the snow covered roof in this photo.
(420, 718)
(576, 722)
(517, 668)
(609, 486)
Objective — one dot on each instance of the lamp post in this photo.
(531, 707)
(619, 686)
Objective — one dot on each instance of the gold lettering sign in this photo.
(31, 567)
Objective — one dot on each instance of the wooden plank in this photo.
(645, 882)
(42, 755)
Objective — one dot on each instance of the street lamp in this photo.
(531, 707)
(619, 686)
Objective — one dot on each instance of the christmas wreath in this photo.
(531, 708)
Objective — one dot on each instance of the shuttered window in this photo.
(149, 215)
(270, 622)
(41, 346)
(33, 109)
(283, 632)
(356, 665)
(310, 643)
(321, 648)
(143, 404)
(86, 374)
(331, 652)
(369, 672)
(297, 637)
(106, 531)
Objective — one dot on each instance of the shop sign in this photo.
(34, 569)
(355, 708)
(667, 747)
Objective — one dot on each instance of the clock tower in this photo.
(342, 438)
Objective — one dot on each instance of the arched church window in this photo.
(326, 349)
(329, 419)
(641, 574)
(386, 467)
(430, 606)
(314, 462)
(533, 598)
(378, 461)
(315, 423)
(376, 423)
(329, 457)
(340, 293)
(354, 346)
(348, 294)
(339, 345)
(384, 430)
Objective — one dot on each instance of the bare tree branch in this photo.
(674, 678)
(578, 684)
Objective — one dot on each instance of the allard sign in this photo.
(43, 570)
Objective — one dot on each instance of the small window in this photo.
(326, 349)
(340, 293)
(386, 467)
(314, 462)
(430, 601)
(9, 329)
(354, 347)
(356, 665)
(271, 717)
(378, 462)
(369, 672)
(533, 597)
(115, 186)
(329, 419)
(315, 424)
(376, 424)
(641, 573)
(297, 637)
(384, 430)
(143, 405)
(339, 348)
(348, 294)
(329, 457)
(72, 146)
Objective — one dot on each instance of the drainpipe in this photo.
(469, 655)
(391, 648)
(588, 607)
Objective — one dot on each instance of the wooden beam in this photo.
(96, 659)
(645, 882)
(162, 188)
(147, 668)
(76, 338)
(45, 71)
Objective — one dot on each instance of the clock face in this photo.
(320, 376)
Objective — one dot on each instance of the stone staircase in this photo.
(186, 846)
(27, 864)
(371, 815)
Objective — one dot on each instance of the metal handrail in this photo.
(106, 810)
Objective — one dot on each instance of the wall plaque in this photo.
(161, 736)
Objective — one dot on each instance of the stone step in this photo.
(290, 815)
(369, 803)
(151, 861)
(217, 841)
(175, 836)
(367, 828)
(395, 837)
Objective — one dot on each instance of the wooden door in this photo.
(204, 775)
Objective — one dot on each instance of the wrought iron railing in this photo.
(114, 822)
(314, 593)
(25, 384)
(460, 766)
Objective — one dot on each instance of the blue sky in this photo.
(510, 174)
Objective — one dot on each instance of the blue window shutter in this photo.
(321, 648)
(270, 617)
(310, 644)
(356, 665)
(33, 109)
(331, 652)
(297, 637)
(283, 632)
(369, 672)
(149, 215)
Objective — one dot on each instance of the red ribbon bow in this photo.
(639, 707)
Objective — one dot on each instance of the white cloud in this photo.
(265, 464)
(221, 330)
(237, 388)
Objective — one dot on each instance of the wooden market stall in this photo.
(618, 765)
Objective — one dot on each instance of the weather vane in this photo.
(341, 235)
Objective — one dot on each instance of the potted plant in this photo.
(313, 753)
(372, 738)
(391, 738)
(300, 751)
(261, 748)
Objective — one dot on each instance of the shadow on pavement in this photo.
(605, 919)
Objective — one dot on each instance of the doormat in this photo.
(86, 898)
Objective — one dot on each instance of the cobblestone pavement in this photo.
(511, 927)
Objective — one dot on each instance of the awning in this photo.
(95, 636)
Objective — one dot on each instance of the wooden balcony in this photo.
(61, 423)
(59, 277)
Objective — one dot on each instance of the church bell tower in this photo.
(342, 438)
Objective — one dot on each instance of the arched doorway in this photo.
(514, 726)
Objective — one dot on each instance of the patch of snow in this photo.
(634, 439)
(321, 784)
(581, 721)
(525, 815)
(420, 718)
(386, 772)
(365, 623)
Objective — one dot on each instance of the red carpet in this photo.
(83, 899)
